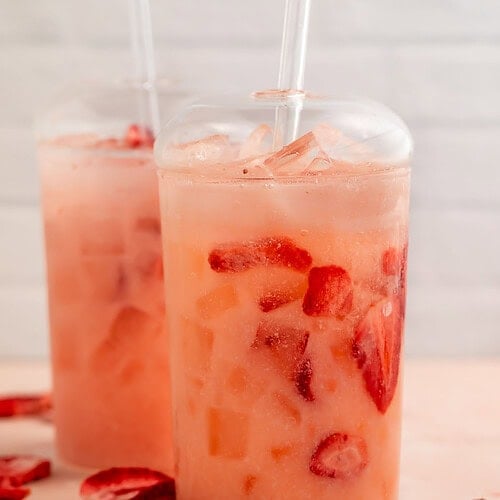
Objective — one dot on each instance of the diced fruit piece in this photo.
(138, 137)
(249, 484)
(129, 325)
(17, 405)
(237, 380)
(289, 409)
(217, 301)
(339, 456)
(197, 346)
(286, 345)
(9, 492)
(273, 299)
(390, 262)
(279, 452)
(330, 292)
(128, 483)
(227, 433)
(277, 251)
(377, 348)
(303, 379)
(22, 469)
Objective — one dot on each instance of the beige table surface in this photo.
(451, 435)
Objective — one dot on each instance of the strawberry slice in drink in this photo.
(303, 379)
(377, 349)
(9, 492)
(339, 456)
(19, 405)
(22, 469)
(285, 344)
(275, 251)
(139, 137)
(330, 292)
(128, 483)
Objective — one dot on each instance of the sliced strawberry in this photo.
(9, 492)
(394, 263)
(128, 483)
(377, 348)
(272, 300)
(21, 469)
(137, 137)
(339, 456)
(238, 257)
(303, 379)
(390, 262)
(32, 404)
(286, 345)
(330, 292)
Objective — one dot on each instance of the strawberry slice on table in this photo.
(25, 404)
(22, 469)
(128, 483)
(303, 379)
(339, 456)
(329, 293)
(137, 137)
(377, 349)
(285, 344)
(9, 492)
(276, 251)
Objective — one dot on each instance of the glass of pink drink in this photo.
(105, 282)
(286, 301)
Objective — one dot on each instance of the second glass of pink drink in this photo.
(286, 272)
(105, 280)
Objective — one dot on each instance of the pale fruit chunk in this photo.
(130, 328)
(198, 343)
(227, 433)
(217, 301)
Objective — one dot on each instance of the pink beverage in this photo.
(286, 302)
(105, 283)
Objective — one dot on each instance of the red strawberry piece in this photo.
(394, 263)
(390, 262)
(32, 404)
(238, 257)
(273, 300)
(9, 492)
(339, 456)
(377, 349)
(329, 293)
(128, 483)
(138, 136)
(286, 345)
(303, 379)
(21, 469)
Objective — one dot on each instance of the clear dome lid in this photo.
(100, 110)
(237, 137)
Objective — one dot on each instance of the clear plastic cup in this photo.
(286, 275)
(109, 348)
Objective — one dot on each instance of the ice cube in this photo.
(258, 142)
(197, 346)
(294, 157)
(227, 433)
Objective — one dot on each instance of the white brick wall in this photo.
(435, 62)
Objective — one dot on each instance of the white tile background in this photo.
(437, 63)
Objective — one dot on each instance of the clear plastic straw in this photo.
(291, 72)
(141, 37)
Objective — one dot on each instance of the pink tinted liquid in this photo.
(246, 425)
(105, 285)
